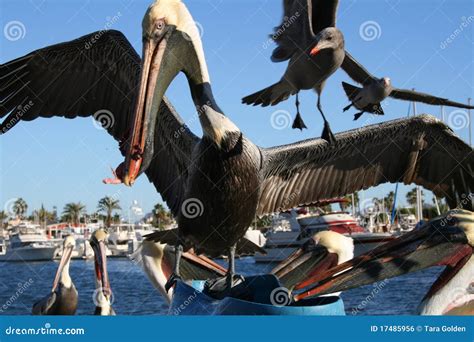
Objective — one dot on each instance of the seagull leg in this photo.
(175, 276)
(347, 107)
(298, 122)
(358, 115)
(327, 133)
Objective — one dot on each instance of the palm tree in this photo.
(73, 211)
(161, 215)
(411, 196)
(389, 200)
(3, 217)
(107, 205)
(20, 207)
(43, 216)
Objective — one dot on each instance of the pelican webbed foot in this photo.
(172, 280)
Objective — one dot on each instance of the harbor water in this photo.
(21, 284)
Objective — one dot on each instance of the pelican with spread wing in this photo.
(224, 175)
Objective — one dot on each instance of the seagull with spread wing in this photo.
(374, 90)
(314, 48)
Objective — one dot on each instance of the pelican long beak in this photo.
(147, 104)
(65, 258)
(432, 245)
(101, 273)
(304, 263)
(159, 67)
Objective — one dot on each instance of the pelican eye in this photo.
(160, 25)
(451, 220)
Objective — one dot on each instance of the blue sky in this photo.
(55, 161)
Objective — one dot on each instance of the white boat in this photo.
(282, 242)
(28, 243)
(122, 239)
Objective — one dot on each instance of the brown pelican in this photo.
(375, 90)
(157, 260)
(445, 241)
(63, 297)
(319, 253)
(308, 38)
(103, 293)
(224, 176)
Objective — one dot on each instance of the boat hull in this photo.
(190, 300)
(29, 254)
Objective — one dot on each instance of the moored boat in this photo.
(28, 243)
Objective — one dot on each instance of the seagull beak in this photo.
(432, 245)
(321, 45)
(65, 258)
(304, 263)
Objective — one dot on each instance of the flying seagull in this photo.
(314, 47)
(374, 90)
(217, 184)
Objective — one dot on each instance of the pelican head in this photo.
(62, 273)
(321, 252)
(103, 293)
(447, 241)
(328, 38)
(151, 257)
(171, 44)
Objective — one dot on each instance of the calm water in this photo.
(135, 296)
